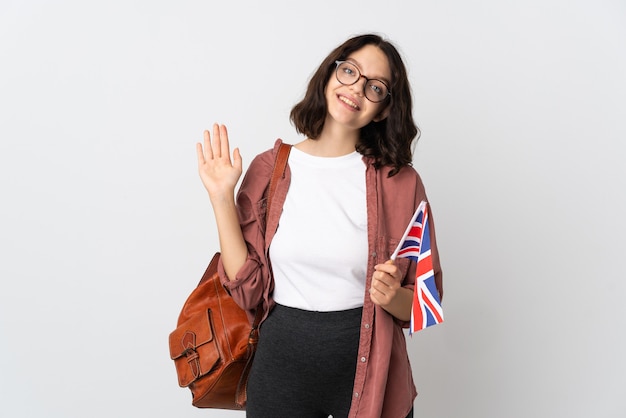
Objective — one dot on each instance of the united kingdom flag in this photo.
(415, 245)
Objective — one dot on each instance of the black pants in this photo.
(305, 364)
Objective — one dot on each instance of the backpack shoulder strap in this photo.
(280, 165)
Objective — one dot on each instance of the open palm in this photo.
(218, 172)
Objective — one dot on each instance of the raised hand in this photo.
(218, 173)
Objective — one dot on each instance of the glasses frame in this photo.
(367, 80)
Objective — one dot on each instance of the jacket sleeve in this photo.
(252, 281)
(409, 183)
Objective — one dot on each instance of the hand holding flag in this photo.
(415, 245)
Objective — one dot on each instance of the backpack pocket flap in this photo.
(193, 348)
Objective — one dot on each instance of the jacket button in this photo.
(374, 254)
(367, 326)
(363, 359)
(356, 394)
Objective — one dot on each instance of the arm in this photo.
(220, 175)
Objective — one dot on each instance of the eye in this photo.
(378, 88)
(349, 70)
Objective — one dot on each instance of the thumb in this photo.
(237, 160)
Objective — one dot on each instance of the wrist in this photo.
(222, 198)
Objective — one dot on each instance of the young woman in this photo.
(331, 340)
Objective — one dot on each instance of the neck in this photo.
(332, 142)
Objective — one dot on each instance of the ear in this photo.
(382, 115)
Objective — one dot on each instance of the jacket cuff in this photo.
(245, 273)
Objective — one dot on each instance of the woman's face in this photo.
(347, 104)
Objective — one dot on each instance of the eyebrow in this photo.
(355, 62)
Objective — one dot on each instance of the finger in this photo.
(237, 160)
(225, 151)
(375, 294)
(216, 141)
(208, 152)
(386, 283)
(379, 286)
(395, 273)
(374, 299)
(380, 275)
(383, 281)
(200, 153)
(388, 268)
(379, 294)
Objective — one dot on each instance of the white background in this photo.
(105, 227)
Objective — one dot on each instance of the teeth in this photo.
(348, 101)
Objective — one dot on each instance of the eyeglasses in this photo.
(348, 74)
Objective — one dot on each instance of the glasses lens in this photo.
(376, 90)
(347, 73)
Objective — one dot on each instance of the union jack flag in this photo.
(415, 245)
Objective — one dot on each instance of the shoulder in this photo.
(407, 175)
(259, 172)
(264, 162)
(406, 184)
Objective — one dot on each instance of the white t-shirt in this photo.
(319, 252)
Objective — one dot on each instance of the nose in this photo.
(359, 86)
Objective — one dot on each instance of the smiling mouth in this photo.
(348, 102)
